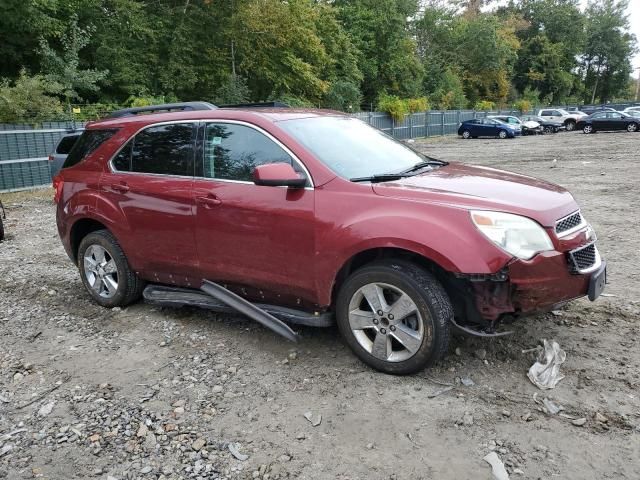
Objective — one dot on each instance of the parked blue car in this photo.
(488, 127)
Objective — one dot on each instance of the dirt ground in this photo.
(158, 393)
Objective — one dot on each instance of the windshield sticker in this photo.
(216, 141)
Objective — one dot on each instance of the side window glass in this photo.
(545, 113)
(164, 149)
(231, 152)
(122, 161)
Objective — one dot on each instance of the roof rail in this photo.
(166, 107)
(256, 105)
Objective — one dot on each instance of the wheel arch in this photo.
(370, 255)
(80, 229)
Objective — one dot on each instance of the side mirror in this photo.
(278, 175)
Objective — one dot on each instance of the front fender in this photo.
(443, 235)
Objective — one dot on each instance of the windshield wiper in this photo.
(382, 177)
(387, 177)
(432, 162)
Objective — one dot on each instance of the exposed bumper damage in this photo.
(524, 287)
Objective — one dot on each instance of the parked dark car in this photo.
(62, 149)
(396, 247)
(548, 126)
(609, 121)
(487, 127)
(589, 110)
(2, 217)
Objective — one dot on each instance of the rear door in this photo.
(599, 121)
(616, 121)
(151, 184)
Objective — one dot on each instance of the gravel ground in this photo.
(156, 393)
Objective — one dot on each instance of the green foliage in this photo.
(523, 105)
(64, 69)
(338, 53)
(343, 95)
(398, 107)
(28, 100)
(484, 105)
(394, 106)
(234, 90)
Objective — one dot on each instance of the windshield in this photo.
(352, 148)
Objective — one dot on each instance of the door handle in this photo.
(208, 201)
(120, 187)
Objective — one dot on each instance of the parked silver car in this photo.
(64, 146)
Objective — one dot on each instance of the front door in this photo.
(151, 185)
(258, 239)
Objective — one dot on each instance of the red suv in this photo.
(314, 215)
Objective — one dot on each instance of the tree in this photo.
(28, 99)
(606, 64)
(383, 36)
(64, 69)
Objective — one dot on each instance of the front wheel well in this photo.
(81, 229)
(361, 259)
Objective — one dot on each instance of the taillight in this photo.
(51, 158)
(58, 183)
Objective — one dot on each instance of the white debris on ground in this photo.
(545, 373)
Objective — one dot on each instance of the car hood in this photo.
(483, 188)
(531, 124)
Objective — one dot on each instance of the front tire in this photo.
(632, 127)
(105, 271)
(466, 134)
(502, 134)
(548, 130)
(571, 126)
(395, 316)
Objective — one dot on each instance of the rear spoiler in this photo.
(164, 108)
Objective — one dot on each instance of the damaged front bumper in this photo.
(541, 284)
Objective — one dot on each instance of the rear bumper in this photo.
(537, 285)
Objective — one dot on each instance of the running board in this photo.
(175, 297)
(477, 332)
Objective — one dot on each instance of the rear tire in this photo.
(588, 129)
(105, 271)
(571, 126)
(548, 130)
(415, 336)
(1, 230)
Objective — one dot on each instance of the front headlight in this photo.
(519, 236)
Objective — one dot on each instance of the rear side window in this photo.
(66, 144)
(163, 150)
(87, 143)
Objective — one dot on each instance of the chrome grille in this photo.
(583, 258)
(567, 223)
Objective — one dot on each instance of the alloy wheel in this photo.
(386, 322)
(632, 127)
(588, 129)
(466, 134)
(502, 134)
(101, 271)
(571, 126)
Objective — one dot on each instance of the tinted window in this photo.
(599, 115)
(165, 149)
(545, 113)
(66, 144)
(87, 143)
(614, 115)
(122, 161)
(232, 151)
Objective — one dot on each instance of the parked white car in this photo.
(568, 119)
(527, 127)
(632, 109)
